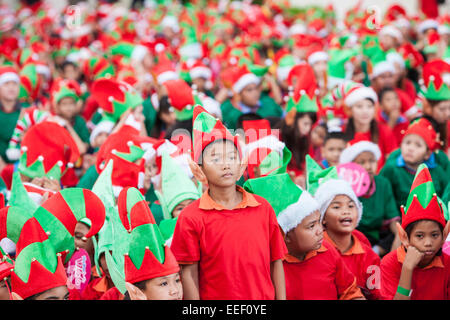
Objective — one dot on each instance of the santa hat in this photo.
(291, 203)
(47, 150)
(207, 129)
(380, 66)
(431, 42)
(200, 70)
(427, 24)
(148, 257)
(315, 174)
(105, 125)
(164, 70)
(423, 128)
(412, 57)
(176, 186)
(317, 55)
(357, 146)
(38, 267)
(242, 77)
(115, 97)
(304, 97)
(436, 80)
(392, 31)
(8, 73)
(395, 12)
(266, 153)
(353, 92)
(423, 202)
(63, 88)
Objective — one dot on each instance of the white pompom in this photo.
(302, 92)
(41, 158)
(13, 153)
(130, 143)
(70, 165)
(159, 47)
(110, 98)
(60, 163)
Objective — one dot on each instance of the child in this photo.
(313, 268)
(227, 217)
(380, 212)
(333, 145)
(151, 271)
(418, 144)
(342, 212)
(418, 270)
(389, 113)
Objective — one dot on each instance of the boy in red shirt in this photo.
(227, 230)
(419, 270)
(313, 268)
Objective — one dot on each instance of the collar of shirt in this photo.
(291, 259)
(248, 200)
(400, 119)
(325, 164)
(246, 109)
(102, 285)
(356, 248)
(436, 262)
(430, 162)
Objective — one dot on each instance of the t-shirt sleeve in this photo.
(186, 239)
(277, 246)
(389, 277)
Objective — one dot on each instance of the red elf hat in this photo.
(423, 128)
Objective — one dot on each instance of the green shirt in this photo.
(8, 121)
(268, 108)
(81, 129)
(87, 181)
(378, 208)
(150, 114)
(440, 156)
(401, 181)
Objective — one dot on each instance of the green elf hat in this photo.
(148, 257)
(190, 47)
(267, 155)
(340, 67)
(304, 97)
(64, 88)
(129, 50)
(436, 80)
(284, 61)
(290, 202)
(38, 267)
(423, 202)
(47, 150)
(176, 186)
(315, 175)
(60, 214)
(12, 220)
(115, 97)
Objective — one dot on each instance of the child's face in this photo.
(341, 215)
(200, 83)
(363, 112)
(4, 293)
(100, 139)
(318, 136)
(67, 108)
(104, 266)
(169, 118)
(81, 230)
(320, 69)
(9, 91)
(151, 170)
(304, 125)
(307, 236)
(368, 161)
(414, 149)
(384, 80)
(250, 95)
(164, 288)
(426, 236)
(390, 102)
(441, 112)
(71, 72)
(332, 150)
(58, 293)
(221, 164)
(176, 212)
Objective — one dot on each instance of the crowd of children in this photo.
(194, 150)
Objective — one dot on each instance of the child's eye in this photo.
(419, 236)
(163, 284)
(178, 280)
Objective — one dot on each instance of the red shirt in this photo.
(429, 283)
(364, 263)
(112, 294)
(233, 248)
(322, 275)
(399, 128)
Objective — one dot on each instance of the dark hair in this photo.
(200, 161)
(68, 63)
(159, 126)
(409, 228)
(141, 285)
(246, 117)
(439, 128)
(384, 91)
(334, 135)
(350, 129)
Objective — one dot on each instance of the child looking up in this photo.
(418, 270)
(242, 225)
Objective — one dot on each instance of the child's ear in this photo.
(244, 164)
(134, 292)
(15, 296)
(197, 172)
(403, 236)
(428, 154)
(446, 231)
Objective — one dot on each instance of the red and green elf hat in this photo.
(97, 67)
(304, 97)
(47, 150)
(423, 128)
(436, 79)
(30, 83)
(207, 129)
(148, 257)
(38, 267)
(423, 202)
(115, 97)
(181, 98)
(63, 88)
(60, 214)
(12, 220)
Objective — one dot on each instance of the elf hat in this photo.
(115, 97)
(207, 129)
(266, 153)
(432, 40)
(176, 186)
(30, 83)
(284, 62)
(181, 98)
(316, 175)
(290, 203)
(423, 128)
(8, 73)
(304, 97)
(147, 257)
(340, 67)
(436, 80)
(317, 55)
(242, 77)
(381, 66)
(135, 52)
(63, 88)
(423, 202)
(357, 146)
(97, 67)
(164, 69)
(38, 267)
(353, 92)
(47, 150)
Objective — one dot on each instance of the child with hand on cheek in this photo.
(418, 270)
(242, 225)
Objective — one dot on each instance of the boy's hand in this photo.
(412, 258)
